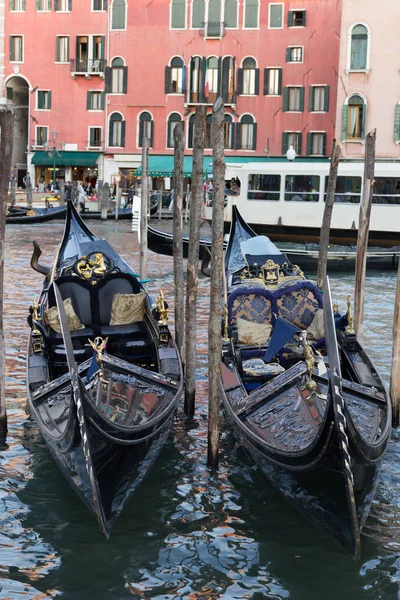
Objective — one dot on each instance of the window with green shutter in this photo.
(18, 5)
(296, 18)
(397, 123)
(95, 140)
(198, 13)
(43, 100)
(231, 13)
(118, 15)
(178, 14)
(251, 12)
(275, 16)
(95, 100)
(356, 118)
(43, 5)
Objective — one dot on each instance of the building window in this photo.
(249, 67)
(178, 14)
(145, 128)
(294, 54)
(293, 99)
(231, 14)
(229, 132)
(117, 77)
(359, 48)
(251, 12)
(275, 20)
(42, 136)
(63, 5)
(246, 135)
(291, 138)
(43, 100)
(316, 143)
(211, 86)
(62, 48)
(118, 15)
(319, 98)
(16, 48)
(89, 54)
(43, 5)
(95, 100)
(17, 5)
(195, 69)
(198, 13)
(173, 120)
(272, 82)
(95, 140)
(353, 121)
(228, 80)
(174, 76)
(296, 18)
(396, 123)
(99, 5)
(117, 130)
(213, 25)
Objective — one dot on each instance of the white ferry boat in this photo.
(286, 200)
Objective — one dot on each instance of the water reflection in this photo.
(187, 533)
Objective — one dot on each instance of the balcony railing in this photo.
(213, 29)
(88, 66)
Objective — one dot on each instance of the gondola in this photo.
(123, 214)
(306, 256)
(299, 390)
(18, 215)
(104, 376)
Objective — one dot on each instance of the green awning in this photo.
(68, 158)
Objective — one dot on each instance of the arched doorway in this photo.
(17, 90)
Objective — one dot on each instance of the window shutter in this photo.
(324, 144)
(266, 82)
(88, 100)
(37, 4)
(202, 83)
(24, 5)
(70, 5)
(299, 143)
(309, 144)
(124, 79)
(184, 79)
(67, 48)
(240, 81)
(167, 79)
(55, 4)
(110, 132)
(141, 133)
(123, 127)
(279, 81)
(257, 82)
(107, 80)
(102, 43)
(304, 18)
(288, 54)
(345, 118)
(102, 100)
(302, 99)
(238, 135)
(311, 96)
(364, 121)
(285, 103)
(57, 50)
(151, 134)
(49, 97)
(225, 81)
(326, 98)
(397, 123)
(11, 47)
(290, 18)
(285, 142)
(40, 99)
(91, 137)
(219, 80)
(254, 146)
(190, 135)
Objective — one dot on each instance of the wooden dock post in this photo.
(363, 232)
(62, 192)
(395, 374)
(118, 199)
(217, 266)
(326, 221)
(144, 206)
(74, 194)
(192, 278)
(179, 289)
(28, 189)
(105, 195)
(13, 187)
(7, 121)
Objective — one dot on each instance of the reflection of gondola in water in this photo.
(104, 377)
(313, 413)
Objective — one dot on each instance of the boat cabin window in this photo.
(386, 190)
(264, 187)
(302, 188)
(348, 189)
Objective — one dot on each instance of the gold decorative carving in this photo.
(310, 361)
(270, 271)
(93, 266)
(161, 308)
(99, 345)
(349, 328)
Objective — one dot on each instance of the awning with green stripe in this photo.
(67, 158)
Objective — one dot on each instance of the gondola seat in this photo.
(298, 303)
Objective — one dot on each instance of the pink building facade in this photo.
(102, 75)
(369, 86)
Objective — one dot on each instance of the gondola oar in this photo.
(335, 388)
(78, 392)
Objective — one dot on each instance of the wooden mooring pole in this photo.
(62, 192)
(7, 121)
(363, 232)
(144, 205)
(326, 221)
(192, 278)
(179, 289)
(28, 189)
(217, 266)
(118, 199)
(105, 195)
(395, 375)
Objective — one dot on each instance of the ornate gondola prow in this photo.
(336, 393)
(36, 254)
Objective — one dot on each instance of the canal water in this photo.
(187, 533)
